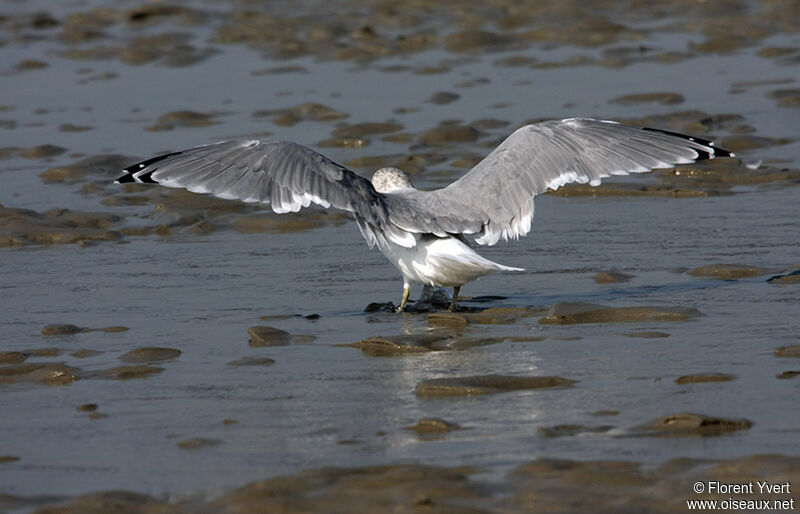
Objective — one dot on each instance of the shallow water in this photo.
(321, 404)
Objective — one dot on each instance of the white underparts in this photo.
(439, 261)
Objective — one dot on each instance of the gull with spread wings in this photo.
(423, 233)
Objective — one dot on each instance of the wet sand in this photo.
(168, 352)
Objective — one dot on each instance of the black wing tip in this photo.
(702, 155)
(127, 178)
(135, 174)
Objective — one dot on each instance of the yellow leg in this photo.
(406, 292)
(455, 295)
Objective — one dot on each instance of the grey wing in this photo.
(494, 200)
(288, 176)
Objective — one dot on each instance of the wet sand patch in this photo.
(647, 334)
(150, 354)
(572, 430)
(432, 427)
(727, 271)
(487, 384)
(252, 361)
(788, 278)
(658, 97)
(489, 316)
(792, 350)
(182, 119)
(126, 372)
(542, 485)
(52, 374)
(12, 357)
(786, 97)
(410, 344)
(572, 313)
(19, 227)
(62, 330)
(690, 424)
(700, 378)
(103, 166)
(289, 116)
(196, 443)
(612, 277)
(263, 335)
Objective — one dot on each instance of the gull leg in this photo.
(455, 295)
(406, 292)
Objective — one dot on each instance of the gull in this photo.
(423, 233)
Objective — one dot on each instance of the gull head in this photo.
(386, 180)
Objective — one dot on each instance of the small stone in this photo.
(788, 374)
(4, 459)
(87, 407)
